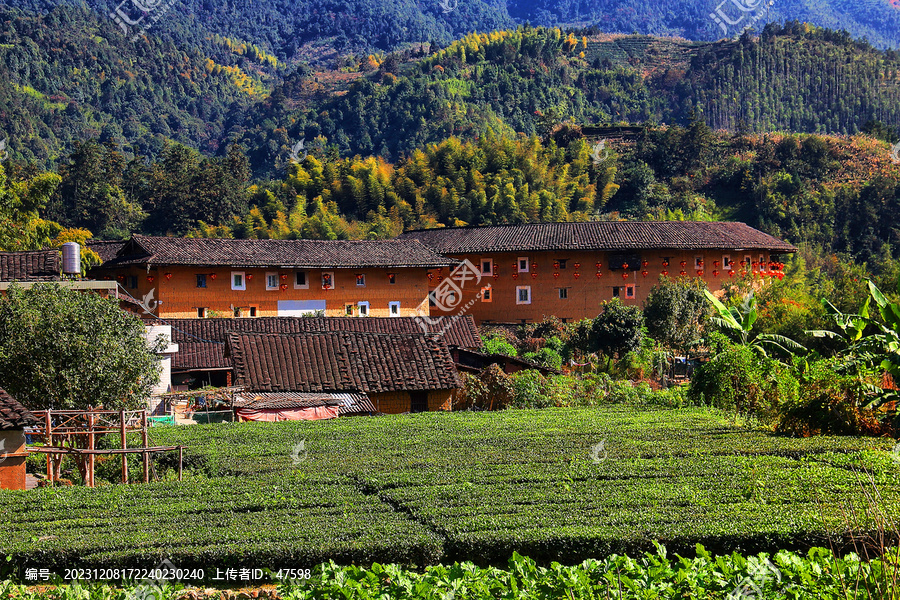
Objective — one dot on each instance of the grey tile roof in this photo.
(42, 265)
(341, 362)
(13, 415)
(295, 254)
(598, 235)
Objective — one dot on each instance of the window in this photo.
(748, 261)
(237, 280)
(487, 266)
(698, 263)
(348, 310)
(523, 294)
(271, 281)
(762, 263)
(327, 281)
(300, 280)
(132, 282)
(360, 280)
(394, 308)
(392, 278)
(625, 290)
(563, 293)
(486, 294)
(726, 262)
(523, 264)
(201, 280)
(562, 262)
(363, 309)
(237, 312)
(241, 312)
(202, 312)
(252, 310)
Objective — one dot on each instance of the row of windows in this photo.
(360, 309)
(523, 263)
(523, 293)
(275, 281)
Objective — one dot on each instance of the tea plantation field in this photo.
(554, 485)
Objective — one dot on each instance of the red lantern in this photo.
(684, 263)
(625, 266)
(283, 286)
(645, 263)
(625, 275)
(645, 273)
(665, 273)
(515, 275)
(599, 266)
(682, 273)
(431, 276)
(556, 275)
(283, 277)
(699, 263)
(120, 277)
(556, 264)
(715, 263)
(496, 274)
(514, 267)
(249, 276)
(534, 275)
(715, 272)
(440, 278)
(578, 265)
(534, 266)
(700, 273)
(731, 273)
(599, 274)
(168, 276)
(212, 276)
(665, 263)
(440, 270)
(576, 275)
(150, 278)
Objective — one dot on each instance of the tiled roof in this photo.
(107, 250)
(346, 403)
(13, 415)
(598, 235)
(341, 362)
(201, 342)
(43, 265)
(293, 254)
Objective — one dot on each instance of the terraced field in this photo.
(554, 484)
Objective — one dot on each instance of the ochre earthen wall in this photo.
(584, 289)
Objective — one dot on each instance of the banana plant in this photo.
(737, 323)
(888, 336)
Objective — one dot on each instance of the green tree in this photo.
(615, 332)
(63, 349)
(21, 201)
(676, 311)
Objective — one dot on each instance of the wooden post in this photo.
(180, 460)
(124, 445)
(48, 437)
(90, 445)
(146, 444)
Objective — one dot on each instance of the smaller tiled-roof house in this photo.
(202, 360)
(190, 278)
(41, 265)
(397, 372)
(528, 272)
(14, 418)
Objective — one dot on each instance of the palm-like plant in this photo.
(736, 322)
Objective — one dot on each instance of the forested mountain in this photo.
(795, 78)
(314, 29)
(68, 75)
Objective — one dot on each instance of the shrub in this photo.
(546, 357)
(489, 390)
(831, 402)
(529, 390)
(741, 381)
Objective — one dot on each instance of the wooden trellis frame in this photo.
(73, 426)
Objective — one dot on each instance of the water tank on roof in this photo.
(71, 258)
